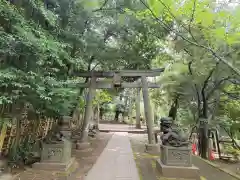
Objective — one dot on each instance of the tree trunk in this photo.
(173, 110)
(117, 113)
(101, 112)
(203, 129)
(88, 110)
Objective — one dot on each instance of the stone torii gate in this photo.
(117, 82)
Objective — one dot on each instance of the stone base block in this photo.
(49, 166)
(152, 148)
(82, 145)
(82, 153)
(176, 156)
(178, 171)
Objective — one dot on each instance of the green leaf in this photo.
(204, 17)
(91, 4)
(156, 6)
(233, 38)
(220, 33)
(122, 19)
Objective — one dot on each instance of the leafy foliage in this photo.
(204, 64)
(45, 43)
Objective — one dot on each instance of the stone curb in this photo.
(218, 167)
(128, 131)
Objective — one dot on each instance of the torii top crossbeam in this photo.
(123, 73)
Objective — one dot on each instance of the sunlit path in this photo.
(116, 161)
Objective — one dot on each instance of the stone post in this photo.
(65, 128)
(138, 99)
(88, 109)
(98, 116)
(147, 109)
(129, 113)
(126, 102)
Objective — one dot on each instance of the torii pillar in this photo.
(151, 146)
(138, 99)
(147, 109)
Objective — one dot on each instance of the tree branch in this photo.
(193, 13)
(235, 96)
(107, 9)
(216, 86)
(205, 83)
(178, 21)
(203, 93)
(195, 86)
(234, 81)
(221, 101)
(101, 8)
(95, 66)
(214, 54)
(187, 52)
(191, 20)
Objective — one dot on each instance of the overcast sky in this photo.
(232, 3)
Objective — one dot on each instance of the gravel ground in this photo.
(234, 167)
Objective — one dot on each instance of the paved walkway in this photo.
(116, 161)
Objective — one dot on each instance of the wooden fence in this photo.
(27, 129)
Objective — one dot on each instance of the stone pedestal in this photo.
(57, 153)
(152, 148)
(57, 158)
(176, 162)
(176, 156)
